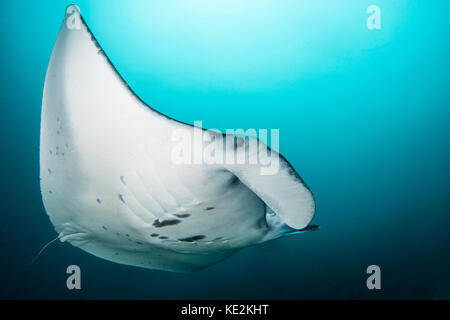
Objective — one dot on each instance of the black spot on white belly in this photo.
(164, 223)
(154, 235)
(234, 180)
(193, 238)
(209, 208)
(163, 237)
(182, 215)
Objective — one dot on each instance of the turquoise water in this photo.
(363, 116)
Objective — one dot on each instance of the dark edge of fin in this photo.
(312, 227)
(290, 231)
(97, 44)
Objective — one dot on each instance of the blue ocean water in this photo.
(363, 116)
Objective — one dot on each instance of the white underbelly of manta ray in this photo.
(110, 186)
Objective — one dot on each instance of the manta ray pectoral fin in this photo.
(281, 189)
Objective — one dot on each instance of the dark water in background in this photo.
(363, 116)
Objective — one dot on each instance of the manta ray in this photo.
(111, 187)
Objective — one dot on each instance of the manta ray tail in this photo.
(42, 250)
